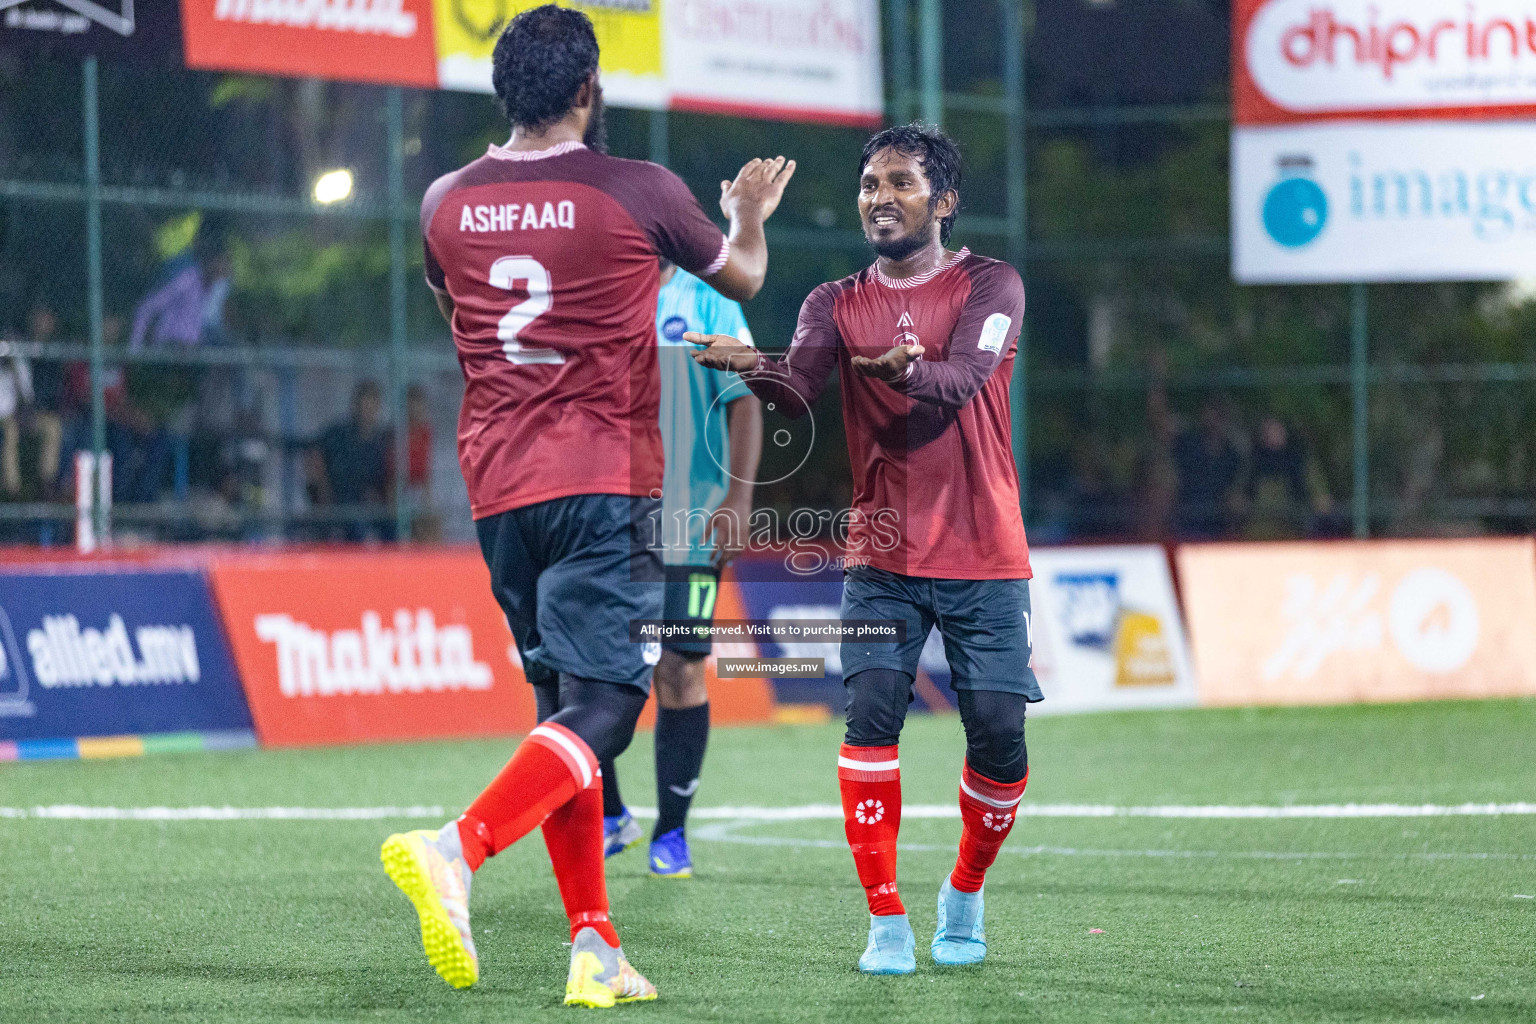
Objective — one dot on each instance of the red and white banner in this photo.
(341, 647)
(798, 60)
(1302, 60)
(388, 42)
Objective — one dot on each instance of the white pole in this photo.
(85, 479)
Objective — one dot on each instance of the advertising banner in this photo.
(1384, 201)
(1383, 142)
(113, 653)
(121, 30)
(773, 592)
(628, 35)
(341, 647)
(389, 42)
(1302, 60)
(1344, 622)
(816, 60)
(1106, 629)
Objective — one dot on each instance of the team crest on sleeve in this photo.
(994, 333)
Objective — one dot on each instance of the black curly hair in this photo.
(540, 61)
(935, 151)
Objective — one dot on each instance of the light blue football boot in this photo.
(890, 946)
(961, 935)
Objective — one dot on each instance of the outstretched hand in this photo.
(723, 352)
(891, 366)
(758, 187)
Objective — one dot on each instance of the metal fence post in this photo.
(661, 152)
(1016, 97)
(901, 60)
(89, 102)
(931, 60)
(1359, 377)
(395, 116)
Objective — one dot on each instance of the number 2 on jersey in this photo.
(505, 273)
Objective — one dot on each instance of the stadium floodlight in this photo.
(333, 186)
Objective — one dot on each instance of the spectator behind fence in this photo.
(15, 400)
(185, 306)
(40, 413)
(1209, 465)
(244, 456)
(350, 463)
(141, 449)
(1281, 494)
(426, 525)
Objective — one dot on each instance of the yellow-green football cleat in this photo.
(429, 868)
(601, 976)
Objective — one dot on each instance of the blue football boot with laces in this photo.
(620, 832)
(670, 857)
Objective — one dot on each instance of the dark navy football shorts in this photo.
(691, 591)
(571, 573)
(984, 624)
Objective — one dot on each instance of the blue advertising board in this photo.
(113, 653)
(771, 591)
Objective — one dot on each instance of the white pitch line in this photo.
(725, 832)
(809, 812)
(75, 812)
(804, 812)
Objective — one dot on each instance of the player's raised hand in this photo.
(891, 366)
(758, 187)
(723, 352)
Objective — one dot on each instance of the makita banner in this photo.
(113, 653)
(348, 646)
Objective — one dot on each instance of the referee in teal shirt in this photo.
(712, 430)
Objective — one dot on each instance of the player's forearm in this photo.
(788, 387)
(749, 253)
(949, 385)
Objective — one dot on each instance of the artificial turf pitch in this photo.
(1306, 920)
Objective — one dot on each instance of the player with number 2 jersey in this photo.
(544, 255)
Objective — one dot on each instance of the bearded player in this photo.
(924, 343)
(543, 254)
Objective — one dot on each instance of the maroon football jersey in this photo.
(550, 257)
(936, 491)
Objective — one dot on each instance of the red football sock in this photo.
(552, 765)
(987, 813)
(870, 780)
(574, 837)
